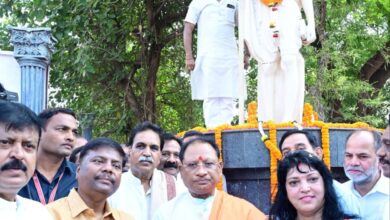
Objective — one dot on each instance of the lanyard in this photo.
(40, 192)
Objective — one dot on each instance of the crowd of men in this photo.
(167, 177)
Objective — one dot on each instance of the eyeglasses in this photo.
(195, 166)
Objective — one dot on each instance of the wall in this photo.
(9, 72)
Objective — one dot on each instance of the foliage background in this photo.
(123, 60)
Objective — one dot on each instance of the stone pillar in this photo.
(32, 49)
(86, 124)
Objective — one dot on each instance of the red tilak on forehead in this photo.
(200, 158)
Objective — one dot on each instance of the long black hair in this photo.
(282, 209)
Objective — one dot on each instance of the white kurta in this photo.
(349, 203)
(216, 65)
(180, 187)
(281, 81)
(23, 209)
(184, 206)
(132, 199)
(372, 205)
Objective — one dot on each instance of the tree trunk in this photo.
(151, 82)
(376, 70)
(323, 60)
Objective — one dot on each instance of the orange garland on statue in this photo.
(252, 113)
(271, 2)
(325, 144)
(275, 155)
(218, 141)
(310, 119)
(308, 115)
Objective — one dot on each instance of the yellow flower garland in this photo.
(310, 119)
(218, 141)
(308, 114)
(252, 113)
(325, 144)
(275, 155)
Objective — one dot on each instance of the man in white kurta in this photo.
(367, 183)
(274, 35)
(185, 206)
(214, 75)
(373, 204)
(143, 188)
(201, 172)
(23, 208)
(132, 199)
(19, 136)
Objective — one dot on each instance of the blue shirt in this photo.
(68, 182)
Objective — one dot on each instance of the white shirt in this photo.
(186, 207)
(372, 205)
(23, 209)
(386, 212)
(349, 203)
(217, 65)
(180, 186)
(216, 21)
(132, 199)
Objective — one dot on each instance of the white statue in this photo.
(274, 32)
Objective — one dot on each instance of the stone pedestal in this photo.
(32, 49)
(246, 162)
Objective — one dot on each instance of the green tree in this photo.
(109, 57)
(123, 60)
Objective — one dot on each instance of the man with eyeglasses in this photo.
(201, 171)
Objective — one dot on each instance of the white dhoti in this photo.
(214, 81)
(280, 89)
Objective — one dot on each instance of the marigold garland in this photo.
(271, 2)
(325, 144)
(310, 119)
(275, 155)
(308, 116)
(218, 141)
(252, 113)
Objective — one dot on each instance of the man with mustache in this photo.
(170, 161)
(384, 162)
(367, 183)
(54, 176)
(20, 131)
(144, 188)
(126, 149)
(99, 176)
(201, 171)
(384, 152)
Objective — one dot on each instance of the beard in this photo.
(364, 177)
